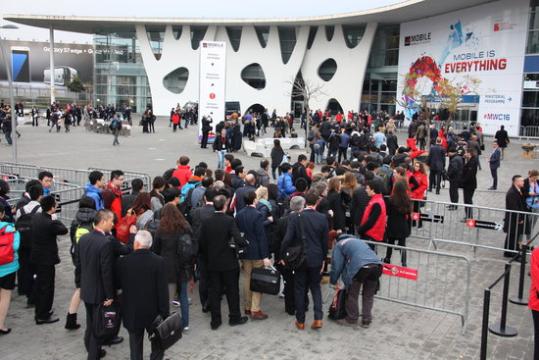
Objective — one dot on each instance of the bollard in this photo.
(501, 329)
(484, 328)
(519, 299)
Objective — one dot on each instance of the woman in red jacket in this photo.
(533, 300)
(420, 176)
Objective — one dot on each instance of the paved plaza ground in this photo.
(397, 332)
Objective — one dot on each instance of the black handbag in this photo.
(167, 332)
(337, 309)
(240, 247)
(294, 256)
(107, 321)
(265, 280)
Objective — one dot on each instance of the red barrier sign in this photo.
(400, 271)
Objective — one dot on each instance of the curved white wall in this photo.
(345, 86)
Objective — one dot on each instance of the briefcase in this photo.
(106, 321)
(265, 280)
(167, 332)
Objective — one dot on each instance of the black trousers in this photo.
(204, 142)
(230, 281)
(454, 191)
(342, 152)
(136, 341)
(468, 199)
(44, 290)
(289, 290)
(202, 282)
(435, 180)
(91, 343)
(400, 242)
(494, 173)
(308, 278)
(535, 315)
(25, 275)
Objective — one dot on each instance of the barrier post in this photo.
(519, 299)
(501, 329)
(484, 328)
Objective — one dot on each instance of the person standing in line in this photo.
(494, 163)
(359, 267)
(514, 223)
(143, 282)
(398, 220)
(216, 234)
(44, 255)
(454, 174)
(436, 163)
(469, 180)
(310, 228)
(531, 194)
(94, 189)
(95, 261)
(533, 300)
(502, 138)
(8, 270)
(206, 128)
(373, 222)
(251, 222)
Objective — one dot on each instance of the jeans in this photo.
(221, 159)
(136, 341)
(116, 142)
(8, 137)
(308, 277)
(184, 299)
(368, 277)
(494, 173)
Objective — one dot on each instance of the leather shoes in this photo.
(102, 353)
(300, 326)
(258, 315)
(5, 332)
(317, 324)
(242, 320)
(49, 320)
(215, 325)
(114, 341)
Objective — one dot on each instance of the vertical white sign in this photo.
(211, 100)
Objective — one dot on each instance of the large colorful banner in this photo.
(477, 51)
(211, 101)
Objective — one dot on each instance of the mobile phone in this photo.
(20, 63)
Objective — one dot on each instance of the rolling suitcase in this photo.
(265, 280)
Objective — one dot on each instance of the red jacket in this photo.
(377, 231)
(112, 199)
(533, 300)
(182, 173)
(419, 193)
(176, 118)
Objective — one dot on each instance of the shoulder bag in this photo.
(294, 256)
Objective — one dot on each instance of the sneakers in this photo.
(175, 303)
(258, 315)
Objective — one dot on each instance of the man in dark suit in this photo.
(311, 228)
(144, 293)
(239, 197)
(494, 163)
(44, 255)
(223, 270)
(514, 223)
(95, 261)
(436, 163)
(251, 222)
(198, 216)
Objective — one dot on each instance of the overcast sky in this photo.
(171, 8)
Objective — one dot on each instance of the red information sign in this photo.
(400, 271)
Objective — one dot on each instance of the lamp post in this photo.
(11, 96)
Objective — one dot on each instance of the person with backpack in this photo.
(10, 241)
(175, 242)
(44, 255)
(285, 183)
(81, 225)
(23, 224)
(359, 267)
(115, 127)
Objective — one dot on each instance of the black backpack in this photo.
(186, 249)
(24, 226)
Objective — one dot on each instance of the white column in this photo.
(51, 41)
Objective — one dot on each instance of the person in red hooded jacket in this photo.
(373, 222)
(183, 172)
(420, 176)
(533, 300)
(112, 195)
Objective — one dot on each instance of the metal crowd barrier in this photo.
(529, 131)
(478, 227)
(431, 280)
(67, 201)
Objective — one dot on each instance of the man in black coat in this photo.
(454, 174)
(206, 128)
(360, 200)
(241, 192)
(144, 293)
(436, 163)
(502, 138)
(299, 171)
(223, 270)
(514, 223)
(95, 261)
(198, 216)
(311, 228)
(469, 180)
(44, 255)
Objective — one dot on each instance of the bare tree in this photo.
(306, 90)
